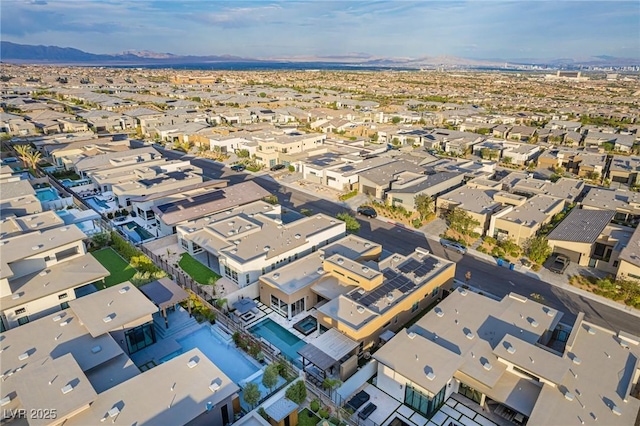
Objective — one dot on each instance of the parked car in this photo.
(277, 167)
(367, 211)
(452, 245)
(238, 167)
(560, 264)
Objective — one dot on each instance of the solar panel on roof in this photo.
(409, 266)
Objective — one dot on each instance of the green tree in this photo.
(507, 160)
(353, 226)
(242, 153)
(537, 249)
(251, 394)
(330, 384)
(592, 175)
(270, 376)
(461, 221)
(297, 392)
(262, 95)
(29, 157)
(396, 120)
(424, 205)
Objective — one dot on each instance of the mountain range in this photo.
(22, 53)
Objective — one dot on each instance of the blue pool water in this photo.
(47, 194)
(136, 232)
(223, 354)
(97, 203)
(71, 183)
(279, 337)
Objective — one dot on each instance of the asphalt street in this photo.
(485, 275)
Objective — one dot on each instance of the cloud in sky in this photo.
(475, 29)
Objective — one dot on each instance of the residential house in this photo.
(495, 353)
(403, 192)
(18, 198)
(480, 204)
(342, 174)
(85, 376)
(521, 222)
(609, 141)
(247, 241)
(356, 289)
(40, 272)
(624, 170)
(588, 238)
(168, 209)
(377, 181)
(626, 204)
(523, 184)
(521, 133)
(629, 258)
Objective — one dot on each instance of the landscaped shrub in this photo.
(314, 405)
(324, 413)
(297, 392)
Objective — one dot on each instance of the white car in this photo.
(453, 246)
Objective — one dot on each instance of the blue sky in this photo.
(395, 28)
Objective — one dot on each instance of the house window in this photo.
(231, 273)
(20, 311)
(140, 337)
(615, 263)
(64, 305)
(387, 324)
(248, 279)
(435, 291)
(23, 320)
(415, 307)
(395, 320)
(47, 258)
(62, 296)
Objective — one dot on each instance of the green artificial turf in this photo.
(197, 270)
(119, 268)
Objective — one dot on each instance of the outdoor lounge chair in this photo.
(358, 400)
(367, 410)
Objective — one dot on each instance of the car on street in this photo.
(277, 167)
(367, 211)
(560, 264)
(238, 167)
(453, 245)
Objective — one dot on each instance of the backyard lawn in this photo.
(119, 268)
(197, 270)
(307, 418)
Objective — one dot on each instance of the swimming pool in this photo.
(97, 203)
(307, 325)
(223, 354)
(71, 183)
(136, 232)
(279, 337)
(47, 194)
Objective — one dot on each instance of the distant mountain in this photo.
(12, 52)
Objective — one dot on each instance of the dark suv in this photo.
(238, 167)
(367, 211)
(277, 167)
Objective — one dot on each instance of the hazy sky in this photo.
(400, 28)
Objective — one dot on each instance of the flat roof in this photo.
(582, 225)
(13, 226)
(112, 308)
(296, 275)
(328, 348)
(175, 392)
(33, 243)
(62, 276)
(531, 358)
(281, 408)
(200, 186)
(164, 292)
(20, 206)
(599, 381)
(19, 188)
(197, 206)
(597, 198)
(473, 199)
(534, 211)
(58, 384)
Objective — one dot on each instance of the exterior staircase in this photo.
(179, 321)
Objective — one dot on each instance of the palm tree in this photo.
(29, 157)
(424, 205)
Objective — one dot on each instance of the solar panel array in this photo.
(397, 281)
(192, 201)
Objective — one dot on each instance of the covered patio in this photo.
(165, 294)
(331, 351)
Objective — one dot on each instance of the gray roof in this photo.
(112, 308)
(431, 180)
(582, 226)
(281, 409)
(329, 348)
(631, 252)
(16, 189)
(244, 305)
(164, 292)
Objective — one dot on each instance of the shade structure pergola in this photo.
(165, 293)
(325, 352)
(242, 306)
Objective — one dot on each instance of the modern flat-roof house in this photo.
(376, 181)
(13, 226)
(404, 192)
(76, 364)
(247, 241)
(624, 170)
(615, 141)
(40, 270)
(479, 203)
(356, 290)
(339, 173)
(522, 184)
(495, 353)
(625, 203)
(629, 259)
(86, 163)
(19, 199)
(588, 238)
(169, 208)
(518, 223)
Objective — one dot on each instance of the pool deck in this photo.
(265, 312)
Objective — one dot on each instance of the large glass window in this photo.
(140, 337)
(23, 320)
(230, 273)
(470, 393)
(421, 402)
